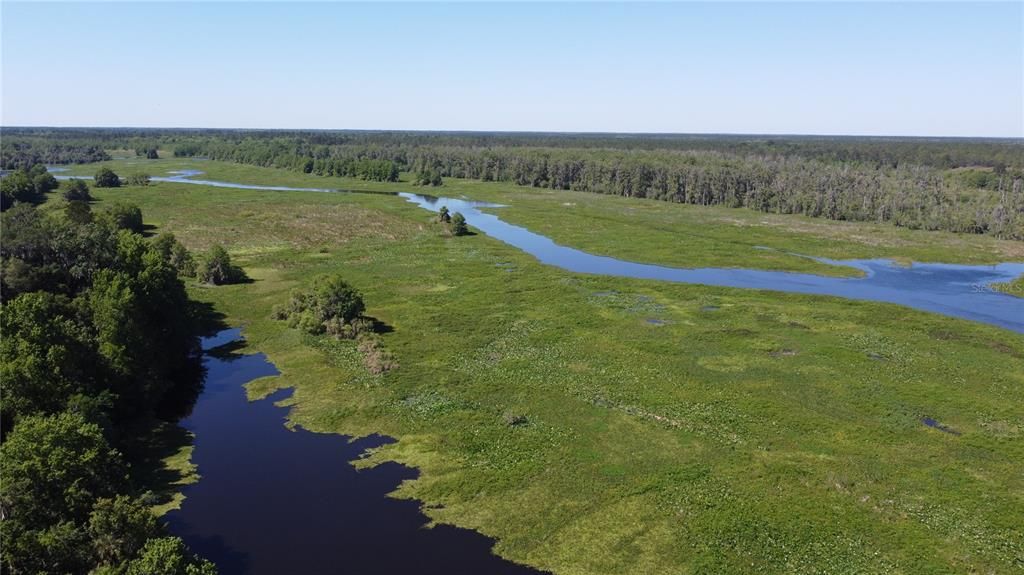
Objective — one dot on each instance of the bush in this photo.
(331, 305)
(443, 215)
(217, 268)
(106, 178)
(138, 180)
(76, 190)
(376, 359)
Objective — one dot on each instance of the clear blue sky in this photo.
(946, 69)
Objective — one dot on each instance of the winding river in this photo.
(955, 290)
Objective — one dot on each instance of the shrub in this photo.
(513, 419)
(331, 305)
(106, 178)
(376, 359)
(443, 215)
(217, 268)
(138, 180)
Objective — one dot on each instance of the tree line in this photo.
(99, 351)
(953, 184)
(907, 195)
(943, 153)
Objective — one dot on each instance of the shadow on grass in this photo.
(147, 446)
(208, 320)
(379, 327)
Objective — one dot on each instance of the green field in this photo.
(668, 428)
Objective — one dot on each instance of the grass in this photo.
(745, 431)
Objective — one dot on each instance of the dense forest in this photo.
(961, 185)
(99, 354)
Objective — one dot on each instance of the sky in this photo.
(873, 68)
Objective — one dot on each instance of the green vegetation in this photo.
(148, 152)
(76, 190)
(28, 185)
(106, 178)
(428, 177)
(459, 227)
(99, 354)
(138, 180)
(743, 431)
(331, 306)
(216, 268)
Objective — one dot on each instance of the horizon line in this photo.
(1019, 139)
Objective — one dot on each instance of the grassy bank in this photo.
(668, 428)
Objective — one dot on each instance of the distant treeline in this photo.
(879, 151)
(23, 153)
(961, 185)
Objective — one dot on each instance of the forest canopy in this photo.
(100, 347)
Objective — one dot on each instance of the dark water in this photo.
(955, 290)
(274, 501)
(940, 426)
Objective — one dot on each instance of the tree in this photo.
(54, 467)
(119, 528)
(78, 212)
(459, 227)
(217, 268)
(428, 177)
(44, 183)
(169, 556)
(18, 187)
(148, 152)
(76, 190)
(125, 217)
(106, 178)
(175, 254)
(45, 356)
